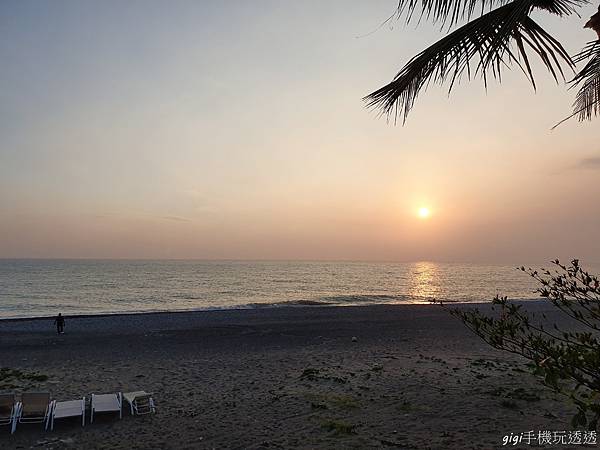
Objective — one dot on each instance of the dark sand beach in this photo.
(414, 377)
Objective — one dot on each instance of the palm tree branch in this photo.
(487, 38)
(450, 12)
(587, 100)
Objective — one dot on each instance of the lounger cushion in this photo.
(68, 409)
(34, 404)
(5, 411)
(7, 401)
(106, 402)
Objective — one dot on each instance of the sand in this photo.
(293, 377)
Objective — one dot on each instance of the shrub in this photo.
(567, 360)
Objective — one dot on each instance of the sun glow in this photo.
(424, 212)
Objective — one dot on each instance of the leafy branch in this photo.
(568, 360)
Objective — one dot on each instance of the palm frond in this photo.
(587, 100)
(560, 8)
(450, 12)
(489, 39)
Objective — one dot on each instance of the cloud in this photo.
(589, 163)
(176, 218)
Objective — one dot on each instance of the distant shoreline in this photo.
(266, 307)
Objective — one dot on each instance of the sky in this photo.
(236, 130)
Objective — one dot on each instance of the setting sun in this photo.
(424, 212)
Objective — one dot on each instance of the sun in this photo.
(424, 212)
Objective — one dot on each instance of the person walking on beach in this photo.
(60, 323)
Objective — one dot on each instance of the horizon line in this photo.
(306, 260)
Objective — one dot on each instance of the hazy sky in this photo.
(235, 129)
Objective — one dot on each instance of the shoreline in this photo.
(266, 307)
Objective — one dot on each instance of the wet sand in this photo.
(414, 377)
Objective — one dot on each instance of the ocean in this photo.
(32, 288)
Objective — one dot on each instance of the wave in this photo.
(342, 300)
(188, 297)
(372, 298)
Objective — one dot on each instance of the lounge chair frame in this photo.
(10, 420)
(119, 401)
(140, 403)
(53, 412)
(45, 418)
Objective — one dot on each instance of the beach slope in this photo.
(406, 376)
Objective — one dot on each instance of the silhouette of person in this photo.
(60, 323)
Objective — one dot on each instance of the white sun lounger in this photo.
(34, 407)
(140, 402)
(71, 408)
(8, 405)
(106, 403)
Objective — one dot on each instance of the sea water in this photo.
(30, 288)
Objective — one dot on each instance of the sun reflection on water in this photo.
(424, 282)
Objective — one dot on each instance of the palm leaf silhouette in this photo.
(498, 38)
(587, 101)
(448, 12)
